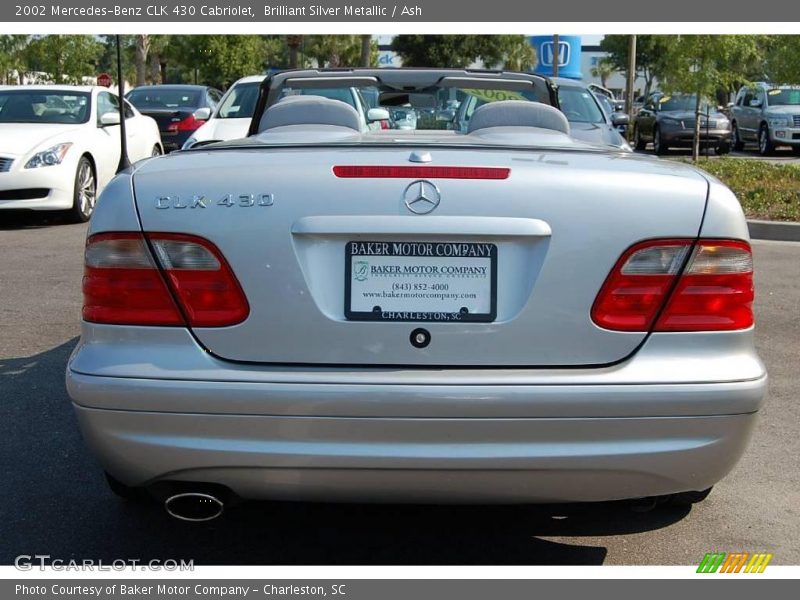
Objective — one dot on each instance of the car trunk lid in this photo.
(296, 234)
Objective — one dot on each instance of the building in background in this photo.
(590, 56)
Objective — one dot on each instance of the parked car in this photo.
(668, 120)
(600, 92)
(768, 115)
(611, 112)
(179, 110)
(501, 315)
(60, 146)
(232, 116)
(587, 119)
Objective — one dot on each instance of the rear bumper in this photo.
(174, 141)
(419, 460)
(675, 417)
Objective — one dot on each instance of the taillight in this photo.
(190, 123)
(122, 283)
(715, 291)
(649, 288)
(202, 281)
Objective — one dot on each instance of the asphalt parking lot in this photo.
(782, 156)
(56, 501)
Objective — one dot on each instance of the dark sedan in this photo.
(668, 122)
(179, 110)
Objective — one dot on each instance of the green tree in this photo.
(649, 55)
(12, 62)
(510, 52)
(507, 51)
(338, 50)
(64, 58)
(437, 50)
(704, 64)
(782, 64)
(229, 57)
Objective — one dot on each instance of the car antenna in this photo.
(124, 163)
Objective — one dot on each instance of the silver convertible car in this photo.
(501, 315)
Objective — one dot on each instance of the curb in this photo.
(774, 230)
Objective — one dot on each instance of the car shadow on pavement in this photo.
(56, 502)
(31, 219)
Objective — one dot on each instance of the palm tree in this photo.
(366, 50)
(294, 42)
(142, 49)
(603, 69)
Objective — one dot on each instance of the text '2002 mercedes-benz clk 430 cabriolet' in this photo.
(332, 312)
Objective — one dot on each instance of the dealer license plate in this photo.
(420, 281)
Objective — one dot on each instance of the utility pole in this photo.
(556, 55)
(631, 80)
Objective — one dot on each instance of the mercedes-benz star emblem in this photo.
(421, 197)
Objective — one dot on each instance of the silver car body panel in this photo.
(419, 460)
(540, 406)
(546, 282)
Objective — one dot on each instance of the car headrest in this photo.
(310, 110)
(518, 113)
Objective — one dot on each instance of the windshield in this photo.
(429, 108)
(240, 103)
(164, 97)
(606, 104)
(579, 105)
(682, 102)
(346, 95)
(29, 106)
(784, 97)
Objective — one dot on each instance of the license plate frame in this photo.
(441, 316)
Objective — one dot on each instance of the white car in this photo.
(232, 118)
(60, 146)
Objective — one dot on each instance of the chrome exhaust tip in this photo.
(194, 507)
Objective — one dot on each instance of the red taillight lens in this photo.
(123, 285)
(412, 172)
(203, 282)
(190, 123)
(715, 291)
(638, 285)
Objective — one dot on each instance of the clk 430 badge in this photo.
(228, 200)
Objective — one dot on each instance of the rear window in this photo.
(343, 94)
(164, 98)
